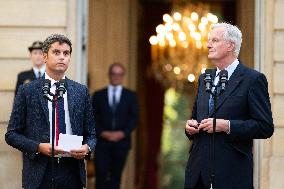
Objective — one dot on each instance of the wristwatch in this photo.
(89, 149)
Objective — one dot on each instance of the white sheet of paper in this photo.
(69, 142)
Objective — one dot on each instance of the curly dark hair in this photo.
(55, 38)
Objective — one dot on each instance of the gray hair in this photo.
(232, 33)
(55, 38)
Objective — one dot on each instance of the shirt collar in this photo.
(52, 81)
(231, 68)
(41, 70)
(118, 87)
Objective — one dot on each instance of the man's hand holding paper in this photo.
(72, 144)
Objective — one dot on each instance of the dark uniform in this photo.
(24, 77)
(28, 75)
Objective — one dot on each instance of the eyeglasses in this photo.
(116, 74)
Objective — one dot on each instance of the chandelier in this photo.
(179, 49)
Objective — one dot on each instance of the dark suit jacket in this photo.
(245, 102)
(24, 77)
(29, 126)
(126, 114)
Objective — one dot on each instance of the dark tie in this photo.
(114, 103)
(60, 115)
(211, 100)
(39, 75)
(210, 105)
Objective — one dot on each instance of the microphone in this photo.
(61, 89)
(208, 80)
(46, 88)
(223, 77)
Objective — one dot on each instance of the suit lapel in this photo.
(71, 101)
(234, 81)
(105, 100)
(203, 100)
(121, 100)
(32, 75)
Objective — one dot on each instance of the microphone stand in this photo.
(215, 95)
(218, 89)
(53, 101)
(212, 176)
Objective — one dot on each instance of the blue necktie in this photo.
(210, 105)
(39, 75)
(113, 124)
(61, 114)
(114, 100)
(211, 100)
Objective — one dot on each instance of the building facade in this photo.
(21, 23)
(112, 36)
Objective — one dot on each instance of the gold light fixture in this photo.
(178, 50)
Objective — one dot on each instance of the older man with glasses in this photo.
(116, 115)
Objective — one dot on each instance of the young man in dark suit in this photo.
(116, 115)
(30, 124)
(243, 114)
(38, 69)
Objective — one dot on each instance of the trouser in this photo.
(109, 164)
(66, 174)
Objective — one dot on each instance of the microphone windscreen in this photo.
(208, 71)
(61, 88)
(47, 82)
(224, 74)
(46, 86)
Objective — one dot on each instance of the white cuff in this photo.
(229, 127)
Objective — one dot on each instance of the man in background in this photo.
(116, 115)
(38, 66)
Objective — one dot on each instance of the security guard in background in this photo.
(38, 68)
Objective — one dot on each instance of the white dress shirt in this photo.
(231, 68)
(67, 117)
(41, 70)
(118, 90)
